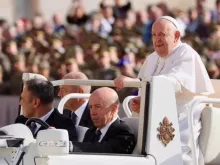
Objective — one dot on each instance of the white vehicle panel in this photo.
(3, 161)
(171, 154)
(162, 104)
(79, 159)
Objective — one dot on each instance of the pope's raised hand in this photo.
(119, 82)
(135, 104)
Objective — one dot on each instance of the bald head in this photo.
(74, 104)
(75, 75)
(103, 105)
(107, 95)
(165, 35)
(79, 76)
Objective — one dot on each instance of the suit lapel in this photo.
(67, 113)
(85, 117)
(112, 126)
(49, 121)
(89, 135)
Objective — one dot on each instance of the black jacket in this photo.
(118, 139)
(85, 120)
(56, 120)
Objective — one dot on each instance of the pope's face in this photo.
(164, 37)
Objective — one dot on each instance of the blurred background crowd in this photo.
(103, 44)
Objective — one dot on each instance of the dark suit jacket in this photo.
(56, 120)
(118, 139)
(85, 120)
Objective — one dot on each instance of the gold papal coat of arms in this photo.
(166, 131)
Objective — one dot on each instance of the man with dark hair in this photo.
(36, 101)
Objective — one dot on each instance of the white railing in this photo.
(109, 83)
(191, 124)
(70, 96)
(126, 105)
(94, 83)
(86, 96)
(29, 76)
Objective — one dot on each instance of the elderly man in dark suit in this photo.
(110, 134)
(76, 109)
(36, 101)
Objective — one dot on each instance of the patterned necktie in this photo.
(33, 127)
(97, 136)
(73, 117)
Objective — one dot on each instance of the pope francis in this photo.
(182, 65)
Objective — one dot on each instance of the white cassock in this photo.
(184, 67)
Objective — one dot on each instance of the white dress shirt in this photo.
(105, 129)
(79, 112)
(44, 118)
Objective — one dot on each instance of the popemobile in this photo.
(156, 129)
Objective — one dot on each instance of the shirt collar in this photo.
(105, 129)
(79, 112)
(44, 118)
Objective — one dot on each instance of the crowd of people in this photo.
(104, 44)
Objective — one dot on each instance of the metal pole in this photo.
(109, 83)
